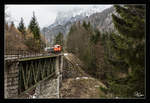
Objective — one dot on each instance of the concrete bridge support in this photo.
(11, 73)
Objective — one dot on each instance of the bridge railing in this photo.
(14, 54)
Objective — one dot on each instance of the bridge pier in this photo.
(11, 72)
(59, 68)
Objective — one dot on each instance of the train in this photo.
(55, 49)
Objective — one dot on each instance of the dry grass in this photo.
(81, 88)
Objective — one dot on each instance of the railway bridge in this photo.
(32, 75)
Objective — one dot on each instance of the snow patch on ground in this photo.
(96, 86)
(82, 78)
(65, 54)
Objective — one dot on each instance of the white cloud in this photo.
(45, 14)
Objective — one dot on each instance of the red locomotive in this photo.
(57, 48)
(54, 49)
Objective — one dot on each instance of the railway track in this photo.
(8, 57)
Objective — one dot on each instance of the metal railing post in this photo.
(22, 54)
(18, 53)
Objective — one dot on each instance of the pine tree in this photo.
(86, 25)
(34, 27)
(59, 39)
(12, 25)
(128, 49)
(6, 26)
(22, 28)
(95, 37)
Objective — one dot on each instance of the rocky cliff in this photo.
(101, 20)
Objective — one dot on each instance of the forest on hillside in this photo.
(117, 58)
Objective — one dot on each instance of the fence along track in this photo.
(18, 54)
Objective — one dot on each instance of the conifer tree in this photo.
(34, 27)
(59, 39)
(86, 25)
(12, 25)
(22, 28)
(128, 50)
(6, 26)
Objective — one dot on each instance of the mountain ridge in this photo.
(100, 20)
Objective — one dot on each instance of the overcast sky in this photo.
(45, 14)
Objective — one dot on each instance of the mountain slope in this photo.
(101, 20)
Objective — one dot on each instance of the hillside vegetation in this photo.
(116, 58)
(14, 39)
(84, 41)
(20, 38)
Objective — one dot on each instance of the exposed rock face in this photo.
(101, 20)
